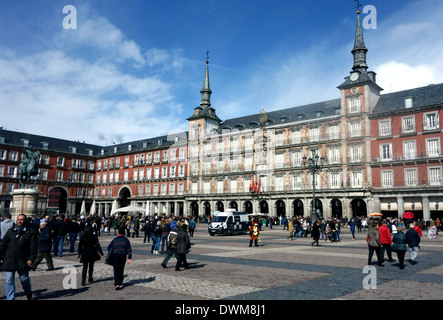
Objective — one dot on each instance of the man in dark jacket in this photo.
(19, 247)
(183, 246)
(44, 246)
(413, 241)
(73, 230)
(61, 230)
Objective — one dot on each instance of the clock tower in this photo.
(359, 95)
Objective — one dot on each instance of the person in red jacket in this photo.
(385, 240)
(417, 228)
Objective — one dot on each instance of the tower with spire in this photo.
(204, 118)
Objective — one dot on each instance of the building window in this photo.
(408, 125)
(409, 150)
(431, 121)
(356, 154)
(334, 155)
(387, 179)
(334, 180)
(434, 176)
(384, 128)
(13, 155)
(433, 147)
(355, 129)
(356, 179)
(386, 152)
(314, 134)
(354, 104)
(334, 132)
(411, 177)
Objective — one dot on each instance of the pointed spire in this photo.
(360, 49)
(206, 91)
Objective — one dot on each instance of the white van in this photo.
(229, 222)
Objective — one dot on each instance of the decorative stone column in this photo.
(24, 201)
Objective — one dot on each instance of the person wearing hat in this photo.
(254, 232)
(183, 246)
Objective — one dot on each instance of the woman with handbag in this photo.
(399, 246)
(373, 240)
(89, 251)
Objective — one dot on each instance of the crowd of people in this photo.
(25, 243)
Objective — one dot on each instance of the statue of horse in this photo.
(29, 167)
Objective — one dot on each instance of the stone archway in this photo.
(248, 207)
(124, 197)
(358, 207)
(58, 199)
(264, 207)
(336, 208)
(298, 208)
(280, 208)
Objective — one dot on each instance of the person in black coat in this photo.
(315, 232)
(89, 251)
(183, 246)
(413, 242)
(73, 230)
(18, 250)
(44, 246)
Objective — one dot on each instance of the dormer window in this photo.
(409, 102)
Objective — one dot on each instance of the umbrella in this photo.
(114, 207)
(131, 208)
(92, 211)
(408, 215)
(83, 209)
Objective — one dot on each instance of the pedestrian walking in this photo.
(172, 244)
(413, 242)
(385, 241)
(147, 230)
(164, 232)
(352, 226)
(373, 240)
(315, 232)
(73, 231)
(291, 230)
(136, 230)
(399, 246)
(18, 250)
(183, 247)
(61, 230)
(44, 247)
(254, 233)
(192, 226)
(121, 254)
(89, 251)
(156, 235)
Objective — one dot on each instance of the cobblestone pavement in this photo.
(226, 268)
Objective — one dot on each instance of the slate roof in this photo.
(54, 144)
(429, 96)
(296, 114)
(65, 146)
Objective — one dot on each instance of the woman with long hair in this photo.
(89, 251)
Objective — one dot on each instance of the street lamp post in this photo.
(314, 164)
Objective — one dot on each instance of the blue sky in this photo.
(134, 69)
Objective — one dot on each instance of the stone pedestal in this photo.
(24, 201)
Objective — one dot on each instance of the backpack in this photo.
(172, 239)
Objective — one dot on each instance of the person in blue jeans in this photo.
(18, 250)
(156, 234)
(61, 230)
(164, 229)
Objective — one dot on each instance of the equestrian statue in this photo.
(29, 166)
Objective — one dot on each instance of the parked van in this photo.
(229, 222)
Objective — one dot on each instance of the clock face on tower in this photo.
(354, 76)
